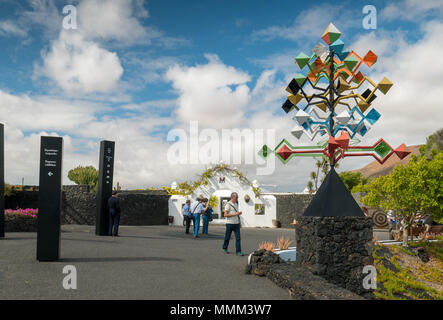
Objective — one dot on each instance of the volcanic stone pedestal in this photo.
(337, 249)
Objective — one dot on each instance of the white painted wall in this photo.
(175, 205)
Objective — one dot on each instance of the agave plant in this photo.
(267, 245)
(283, 243)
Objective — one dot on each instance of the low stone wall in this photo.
(26, 198)
(336, 248)
(290, 206)
(140, 208)
(300, 282)
(303, 285)
(79, 205)
(20, 224)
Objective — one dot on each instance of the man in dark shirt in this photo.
(187, 215)
(114, 214)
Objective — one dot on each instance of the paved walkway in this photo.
(152, 262)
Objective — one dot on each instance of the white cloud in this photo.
(112, 20)
(283, 62)
(38, 113)
(214, 94)
(303, 28)
(269, 91)
(10, 28)
(44, 14)
(411, 9)
(22, 156)
(80, 61)
(140, 10)
(148, 67)
(117, 22)
(80, 66)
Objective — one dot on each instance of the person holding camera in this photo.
(232, 224)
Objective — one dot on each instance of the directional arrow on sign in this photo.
(50, 173)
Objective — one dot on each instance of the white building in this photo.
(256, 212)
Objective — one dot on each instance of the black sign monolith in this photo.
(2, 182)
(49, 199)
(105, 175)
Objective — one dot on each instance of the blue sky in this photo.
(133, 70)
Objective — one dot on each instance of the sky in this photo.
(135, 71)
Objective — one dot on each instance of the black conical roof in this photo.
(333, 199)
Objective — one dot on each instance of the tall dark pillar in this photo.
(49, 199)
(105, 175)
(2, 181)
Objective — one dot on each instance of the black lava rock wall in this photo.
(291, 206)
(79, 205)
(336, 248)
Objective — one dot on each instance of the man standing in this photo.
(232, 223)
(114, 213)
(197, 209)
(187, 216)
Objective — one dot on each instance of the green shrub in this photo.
(85, 176)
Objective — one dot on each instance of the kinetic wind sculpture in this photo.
(343, 106)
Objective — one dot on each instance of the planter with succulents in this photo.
(282, 248)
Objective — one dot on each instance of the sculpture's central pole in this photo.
(331, 102)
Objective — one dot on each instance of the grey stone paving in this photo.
(152, 262)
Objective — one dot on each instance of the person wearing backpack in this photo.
(197, 208)
(232, 224)
(207, 216)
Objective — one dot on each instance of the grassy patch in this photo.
(401, 282)
(434, 248)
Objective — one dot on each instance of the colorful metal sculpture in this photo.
(343, 106)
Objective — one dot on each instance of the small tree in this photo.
(434, 143)
(353, 179)
(213, 201)
(410, 191)
(85, 175)
(310, 187)
(321, 166)
(8, 190)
